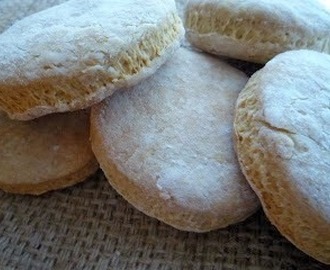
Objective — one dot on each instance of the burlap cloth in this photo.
(89, 226)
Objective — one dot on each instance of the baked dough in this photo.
(13, 10)
(73, 55)
(48, 153)
(166, 145)
(282, 129)
(257, 30)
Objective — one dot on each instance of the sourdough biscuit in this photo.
(282, 128)
(166, 145)
(75, 54)
(44, 154)
(13, 10)
(257, 30)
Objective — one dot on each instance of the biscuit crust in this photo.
(257, 30)
(44, 154)
(166, 145)
(75, 54)
(283, 144)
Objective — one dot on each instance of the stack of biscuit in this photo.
(180, 133)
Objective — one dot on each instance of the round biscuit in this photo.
(75, 54)
(282, 140)
(257, 30)
(166, 145)
(44, 154)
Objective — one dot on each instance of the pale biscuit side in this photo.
(258, 30)
(48, 153)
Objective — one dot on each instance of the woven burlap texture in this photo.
(90, 226)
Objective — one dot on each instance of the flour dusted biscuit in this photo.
(13, 10)
(282, 129)
(75, 54)
(44, 154)
(257, 30)
(166, 145)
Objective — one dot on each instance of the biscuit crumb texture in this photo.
(44, 154)
(282, 139)
(257, 30)
(166, 145)
(75, 54)
(13, 10)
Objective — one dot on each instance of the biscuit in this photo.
(44, 154)
(73, 55)
(257, 30)
(166, 145)
(13, 10)
(282, 139)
